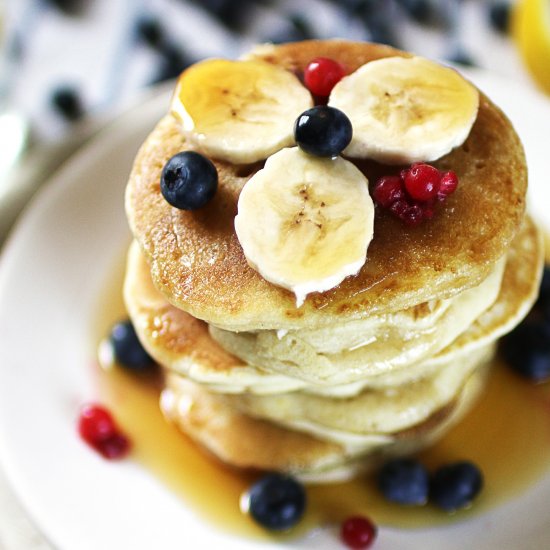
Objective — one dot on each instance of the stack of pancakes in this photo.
(381, 365)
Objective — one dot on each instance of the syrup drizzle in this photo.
(509, 426)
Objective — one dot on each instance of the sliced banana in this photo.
(405, 110)
(239, 111)
(305, 222)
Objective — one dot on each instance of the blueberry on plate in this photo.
(527, 349)
(127, 349)
(455, 486)
(277, 502)
(404, 481)
(189, 180)
(323, 131)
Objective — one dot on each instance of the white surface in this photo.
(50, 275)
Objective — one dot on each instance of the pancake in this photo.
(197, 262)
(182, 343)
(248, 442)
(374, 411)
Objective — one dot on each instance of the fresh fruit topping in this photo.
(456, 485)
(239, 111)
(276, 502)
(358, 532)
(189, 180)
(405, 109)
(422, 182)
(447, 184)
(304, 222)
(321, 75)
(323, 131)
(389, 190)
(412, 195)
(97, 427)
(127, 349)
(404, 481)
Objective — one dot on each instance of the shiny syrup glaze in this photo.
(509, 426)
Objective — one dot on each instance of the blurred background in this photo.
(68, 66)
(64, 60)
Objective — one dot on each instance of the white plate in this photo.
(51, 274)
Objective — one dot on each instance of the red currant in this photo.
(387, 190)
(413, 215)
(322, 74)
(358, 532)
(97, 428)
(95, 423)
(448, 183)
(422, 181)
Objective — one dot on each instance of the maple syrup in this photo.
(507, 434)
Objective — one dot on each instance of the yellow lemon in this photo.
(531, 32)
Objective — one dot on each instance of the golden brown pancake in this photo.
(198, 264)
(182, 343)
(248, 442)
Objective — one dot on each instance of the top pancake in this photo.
(198, 264)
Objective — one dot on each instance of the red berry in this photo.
(95, 423)
(97, 428)
(115, 447)
(387, 190)
(358, 532)
(422, 181)
(322, 74)
(448, 184)
(398, 208)
(413, 215)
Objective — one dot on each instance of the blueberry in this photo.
(67, 102)
(527, 349)
(128, 351)
(456, 485)
(189, 180)
(404, 481)
(323, 131)
(499, 16)
(277, 502)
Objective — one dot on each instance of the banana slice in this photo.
(239, 111)
(405, 110)
(305, 222)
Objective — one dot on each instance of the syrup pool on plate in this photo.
(507, 434)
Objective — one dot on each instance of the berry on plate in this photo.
(127, 349)
(358, 532)
(455, 486)
(404, 481)
(277, 502)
